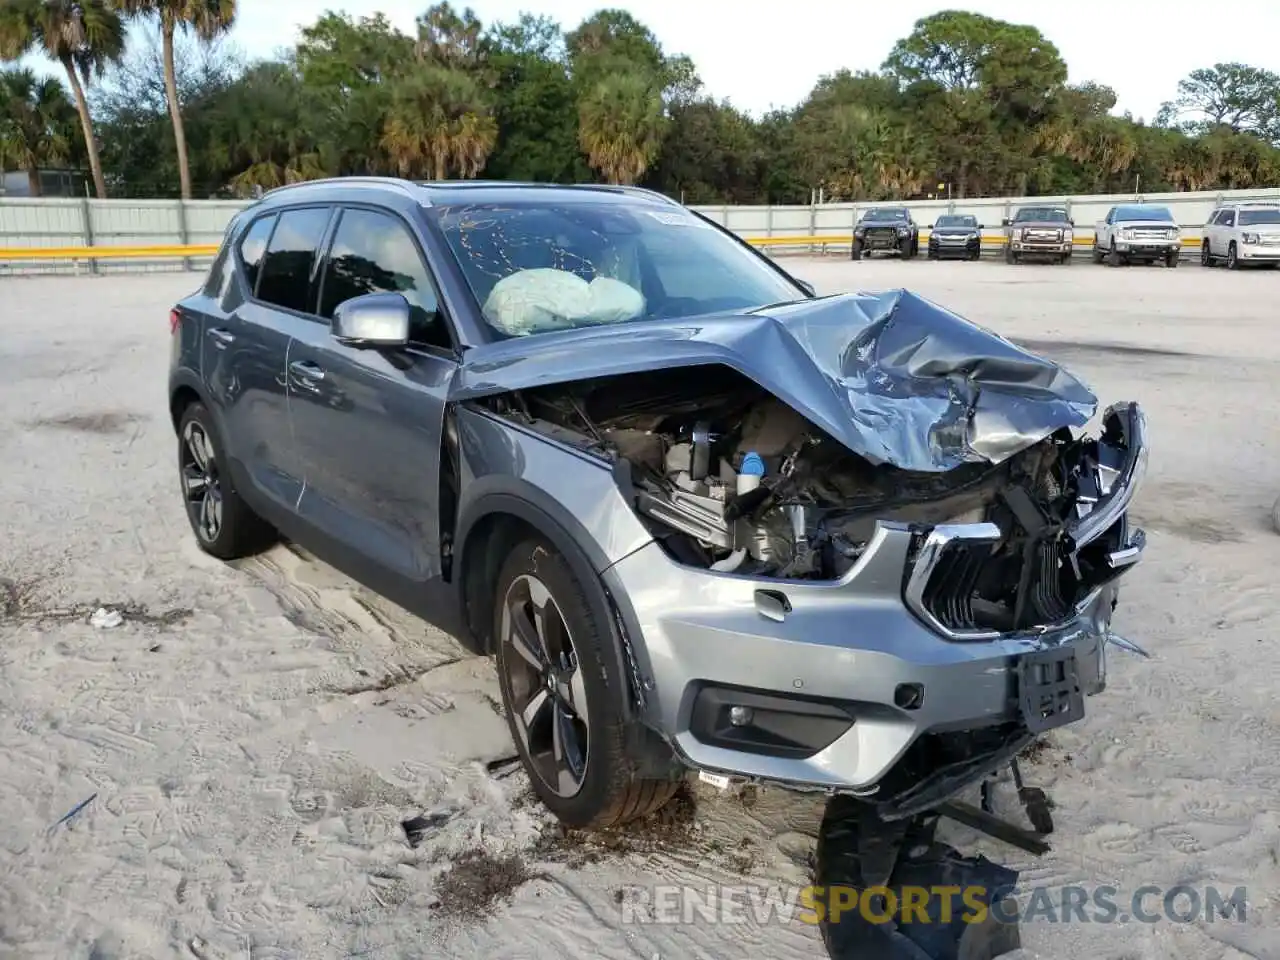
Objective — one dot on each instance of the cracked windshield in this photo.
(539, 267)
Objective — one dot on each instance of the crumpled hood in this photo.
(892, 376)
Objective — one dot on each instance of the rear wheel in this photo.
(225, 526)
(562, 696)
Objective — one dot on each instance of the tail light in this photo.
(175, 321)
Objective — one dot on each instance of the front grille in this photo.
(1053, 235)
(976, 590)
(882, 232)
(1150, 234)
(950, 591)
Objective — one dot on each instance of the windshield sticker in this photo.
(676, 219)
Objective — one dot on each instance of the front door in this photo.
(367, 423)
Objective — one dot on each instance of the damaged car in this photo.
(704, 518)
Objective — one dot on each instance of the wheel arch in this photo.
(490, 527)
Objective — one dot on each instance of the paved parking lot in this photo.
(251, 737)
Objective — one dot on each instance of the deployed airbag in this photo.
(543, 299)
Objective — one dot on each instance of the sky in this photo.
(771, 54)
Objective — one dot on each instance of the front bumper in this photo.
(943, 247)
(882, 240)
(845, 683)
(1042, 247)
(1259, 252)
(1154, 249)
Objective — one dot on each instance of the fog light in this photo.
(740, 716)
(909, 696)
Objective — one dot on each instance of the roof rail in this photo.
(526, 184)
(405, 186)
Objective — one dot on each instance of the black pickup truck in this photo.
(890, 229)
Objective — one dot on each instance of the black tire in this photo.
(1066, 259)
(907, 249)
(1233, 260)
(1097, 251)
(225, 526)
(1206, 258)
(1171, 261)
(977, 254)
(855, 253)
(1009, 255)
(603, 789)
(931, 254)
(1114, 259)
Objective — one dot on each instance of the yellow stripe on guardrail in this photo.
(107, 253)
(179, 251)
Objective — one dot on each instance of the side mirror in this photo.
(1071, 222)
(982, 226)
(372, 320)
(1004, 222)
(806, 286)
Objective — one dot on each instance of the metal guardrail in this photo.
(181, 251)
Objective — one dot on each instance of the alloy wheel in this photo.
(201, 485)
(546, 688)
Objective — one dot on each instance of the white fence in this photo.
(39, 222)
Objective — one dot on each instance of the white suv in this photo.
(1241, 233)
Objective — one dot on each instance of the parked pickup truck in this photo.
(1137, 232)
(1039, 231)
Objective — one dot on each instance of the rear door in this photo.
(244, 351)
(368, 422)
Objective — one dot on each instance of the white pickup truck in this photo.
(1137, 232)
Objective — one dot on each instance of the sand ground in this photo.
(252, 736)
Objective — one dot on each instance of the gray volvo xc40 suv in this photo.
(704, 518)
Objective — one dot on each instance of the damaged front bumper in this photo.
(878, 684)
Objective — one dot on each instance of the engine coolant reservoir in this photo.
(751, 473)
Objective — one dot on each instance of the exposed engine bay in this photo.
(728, 477)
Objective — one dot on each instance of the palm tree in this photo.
(82, 35)
(207, 18)
(620, 126)
(36, 122)
(438, 123)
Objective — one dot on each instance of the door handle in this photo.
(306, 370)
(222, 337)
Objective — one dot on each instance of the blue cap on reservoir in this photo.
(752, 465)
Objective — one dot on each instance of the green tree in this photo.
(438, 124)
(83, 36)
(348, 69)
(1233, 95)
(207, 19)
(621, 125)
(37, 124)
(535, 104)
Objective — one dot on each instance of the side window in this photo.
(286, 269)
(1229, 218)
(253, 246)
(375, 253)
(1111, 215)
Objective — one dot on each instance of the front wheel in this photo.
(1097, 251)
(225, 526)
(856, 252)
(1233, 260)
(1066, 259)
(1114, 258)
(907, 249)
(1206, 258)
(1171, 260)
(562, 695)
